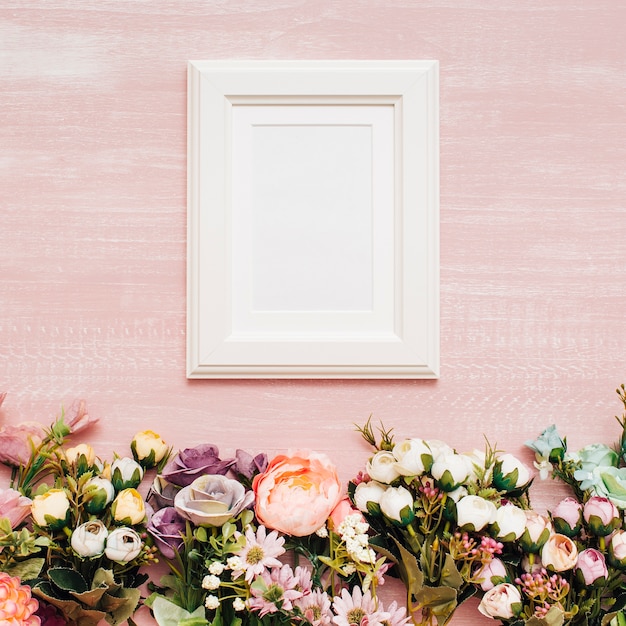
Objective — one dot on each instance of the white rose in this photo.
(382, 467)
(510, 522)
(499, 602)
(438, 448)
(450, 471)
(89, 539)
(413, 457)
(123, 545)
(368, 492)
(475, 512)
(397, 504)
(97, 494)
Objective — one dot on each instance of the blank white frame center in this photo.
(313, 220)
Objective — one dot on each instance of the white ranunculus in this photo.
(123, 545)
(413, 457)
(98, 492)
(382, 467)
(368, 492)
(450, 471)
(510, 522)
(89, 539)
(475, 512)
(510, 473)
(438, 447)
(397, 504)
(126, 473)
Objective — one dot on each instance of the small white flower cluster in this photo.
(353, 531)
(212, 582)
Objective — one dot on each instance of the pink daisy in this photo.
(273, 590)
(357, 609)
(260, 552)
(396, 616)
(315, 608)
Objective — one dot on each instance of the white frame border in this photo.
(411, 348)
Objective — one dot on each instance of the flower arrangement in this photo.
(252, 541)
(84, 544)
(441, 516)
(260, 542)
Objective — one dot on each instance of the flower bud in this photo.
(490, 574)
(538, 530)
(51, 509)
(123, 545)
(450, 471)
(82, 456)
(510, 474)
(367, 496)
(89, 539)
(510, 523)
(397, 505)
(474, 513)
(97, 494)
(413, 457)
(126, 473)
(617, 550)
(148, 448)
(601, 516)
(567, 517)
(591, 568)
(382, 467)
(128, 507)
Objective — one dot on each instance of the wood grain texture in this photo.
(533, 207)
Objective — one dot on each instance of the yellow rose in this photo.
(148, 448)
(51, 509)
(128, 507)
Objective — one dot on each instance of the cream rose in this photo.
(51, 508)
(382, 467)
(559, 553)
(72, 455)
(501, 602)
(128, 507)
(368, 492)
(148, 448)
(397, 504)
(510, 522)
(413, 457)
(474, 512)
(126, 473)
(297, 493)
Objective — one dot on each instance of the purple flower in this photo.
(161, 493)
(167, 528)
(191, 463)
(247, 466)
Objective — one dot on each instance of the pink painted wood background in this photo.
(533, 231)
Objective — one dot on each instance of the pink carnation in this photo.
(17, 606)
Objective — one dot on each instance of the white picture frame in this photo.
(313, 219)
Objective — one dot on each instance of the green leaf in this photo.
(126, 605)
(67, 579)
(450, 575)
(167, 613)
(26, 570)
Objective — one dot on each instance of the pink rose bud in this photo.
(591, 568)
(617, 550)
(601, 516)
(567, 517)
(491, 574)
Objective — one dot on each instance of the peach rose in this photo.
(297, 493)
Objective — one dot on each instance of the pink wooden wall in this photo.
(533, 231)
